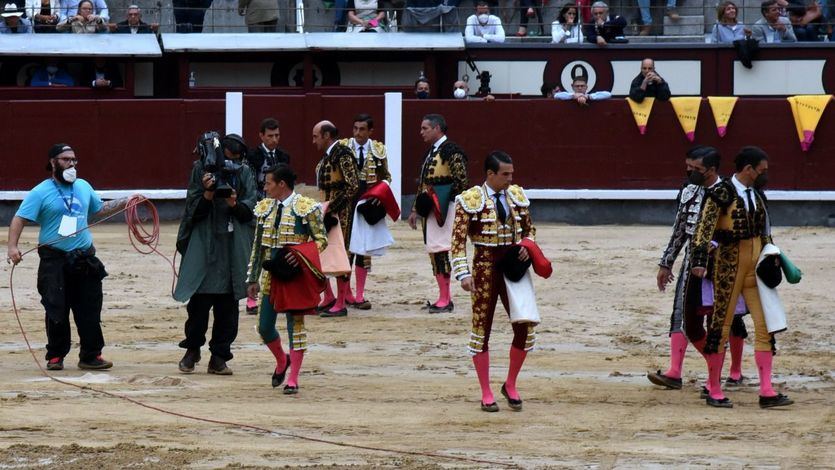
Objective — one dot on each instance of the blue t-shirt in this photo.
(48, 202)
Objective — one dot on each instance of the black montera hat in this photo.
(511, 266)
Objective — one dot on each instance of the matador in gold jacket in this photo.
(735, 217)
(495, 217)
(337, 177)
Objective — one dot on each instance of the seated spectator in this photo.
(260, 16)
(548, 89)
(567, 29)
(649, 84)
(772, 28)
(805, 20)
(461, 91)
(13, 21)
(85, 22)
(365, 16)
(102, 75)
(606, 28)
(580, 93)
(422, 88)
(483, 27)
(45, 14)
(133, 24)
(727, 29)
(51, 74)
(69, 8)
(528, 9)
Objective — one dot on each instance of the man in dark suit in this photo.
(134, 24)
(266, 155)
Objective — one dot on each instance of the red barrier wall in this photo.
(148, 143)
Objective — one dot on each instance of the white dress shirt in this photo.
(492, 31)
(740, 190)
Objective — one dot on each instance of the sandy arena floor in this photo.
(398, 378)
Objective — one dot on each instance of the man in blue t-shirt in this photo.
(69, 273)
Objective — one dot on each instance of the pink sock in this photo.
(361, 275)
(328, 298)
(714, 375)
(251, 303)
(678, 345)
(443, 290)
(481, 361)
(764, 360)
(349, 295)
(278, 352)
(341, 293)
(296, 358)
(737, 345)
(517, 358)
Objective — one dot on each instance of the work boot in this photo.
(218, 366)
(98, 363)
(191, 357)
(673, 14)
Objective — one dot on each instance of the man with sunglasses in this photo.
(69, 273)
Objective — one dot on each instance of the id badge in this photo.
(229, 227)
(69, 225)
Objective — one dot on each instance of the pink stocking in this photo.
(296, 358)
(329, 297)
(737, 345)
(251, 303)
(361, 275)
(764, 360)
(517, 358)
(278, 352)
(714, 375)
(481, 361)
(342, 286)
(678, 346)
(443, 290)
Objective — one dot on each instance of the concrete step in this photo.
(685, 26)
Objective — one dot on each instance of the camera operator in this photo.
(648, 84)
(215, 239)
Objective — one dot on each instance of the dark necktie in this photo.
(362, 159)
(272, 157)
(278, 215)
(500, 211)
(750, 208)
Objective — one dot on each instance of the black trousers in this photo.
(224, 328)
(64, 288)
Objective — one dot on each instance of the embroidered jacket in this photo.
(725, 220)
(336, 176)
(689, 207)
(375, 167)
(301, 220)
(446, 165)
(475, 216)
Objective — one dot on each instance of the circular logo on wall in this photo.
(576, 69)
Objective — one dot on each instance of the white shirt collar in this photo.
(286, 202)
(439, 142)
(266, 149)
(740, 190)
(328, 151)
(365, 146)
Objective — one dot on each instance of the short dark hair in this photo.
(235, 144)
(764, 6)
(329, 129)
(421, 79)
(580, 78)
(269, 123)
(749, 155)
(283, 172)
(709, 156)
(436, 120)
(366, 118)
(547, 89)
(495, 159)
(482, 3)
(564, 10)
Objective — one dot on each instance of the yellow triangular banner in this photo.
(807, 111)
(687, 110)
(722, 107)
(641, 112)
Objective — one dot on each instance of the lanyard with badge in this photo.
(69, 224)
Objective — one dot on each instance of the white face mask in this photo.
(69, 175)
(483, 18)
(459, 93)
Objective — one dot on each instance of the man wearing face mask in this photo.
(69, 273)
(422, 88)
(736, 218)
(215, 239)
(702, 164)
(483, 27)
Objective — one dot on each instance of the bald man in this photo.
(337, 176)
(648, 84)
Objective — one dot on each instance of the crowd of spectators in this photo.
(781, 20)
